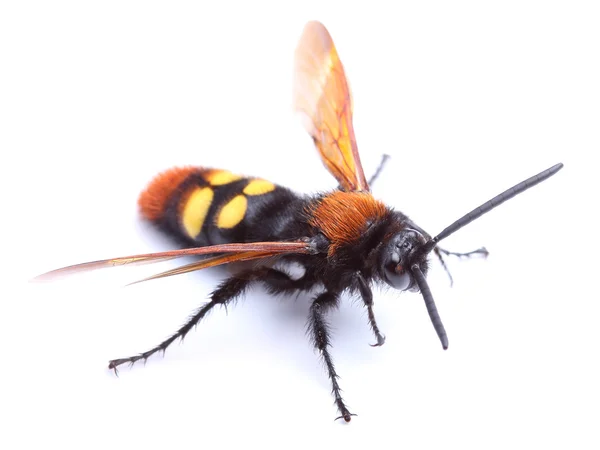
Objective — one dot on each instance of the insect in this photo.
(345, 240)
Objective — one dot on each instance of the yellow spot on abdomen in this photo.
(258, 187)
(233, 212)
(220, 177)
(195, 210)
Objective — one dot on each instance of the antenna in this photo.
(455, 226)
(430, 304)
(489, 205)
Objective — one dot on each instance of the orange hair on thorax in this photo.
(344, 216)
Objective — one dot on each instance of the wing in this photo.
(322, 96)
(231, 253)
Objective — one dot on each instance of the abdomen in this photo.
(209, 206)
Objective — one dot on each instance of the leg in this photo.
(439, 251)
(223, 295)
(367, 297)
(319, 331)
(384, 160)
(480, 251)
(278, 282)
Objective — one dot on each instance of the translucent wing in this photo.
(322, 96)
(209, 262)
(232, 253)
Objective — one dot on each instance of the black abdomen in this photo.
(209, 207)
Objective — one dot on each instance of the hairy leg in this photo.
(319, 331)
(227, 292)
(439, 251)
(382, 164)
(367, 296)
(378, 171)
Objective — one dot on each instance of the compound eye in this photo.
(397, 277)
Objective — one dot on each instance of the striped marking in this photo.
(221, 177)
(195, 210)
(259, 187)
(233, 212)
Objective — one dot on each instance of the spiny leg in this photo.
(228, 291)
(384, 160)
(367, 296)
(319, 331)
(480, 251)
(374, 177)
(439, 251)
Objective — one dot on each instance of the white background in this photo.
(96, 98)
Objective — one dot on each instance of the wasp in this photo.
(345, 240)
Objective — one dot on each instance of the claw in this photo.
(380, 341)
(113, 366)
(347, 416)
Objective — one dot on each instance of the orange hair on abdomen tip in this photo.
(153, 201)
